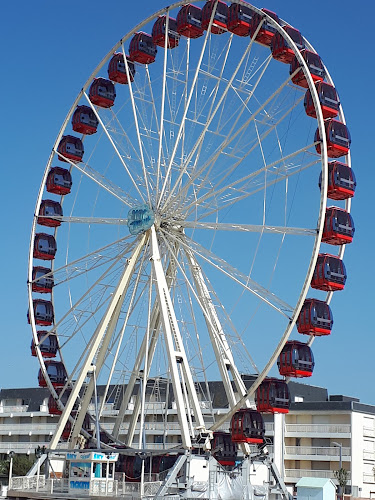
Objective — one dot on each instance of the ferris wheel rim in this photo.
(324, 160)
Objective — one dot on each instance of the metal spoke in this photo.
(249, 228)
(235, 275)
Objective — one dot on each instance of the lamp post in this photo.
(11, 455)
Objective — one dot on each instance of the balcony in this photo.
(331, 453)
(293, 475)
(368, 432)
(368, 455)
(368, 477)
(24, 429)
(14, 409)
(24, 448)
(318, 430)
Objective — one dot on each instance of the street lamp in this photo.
(339, 446)
(11, 455)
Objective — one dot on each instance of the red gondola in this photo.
(328, 98)
(338, 227)
(131, 466)
(84, 120)
(296, 360)
(41, 282)
(158, 32)
(53, 407)
(223, 449)
(220, 21)
(44, 246)
(272, 396)
(43, 312)
(71, 148)
(189, 21)
(338, 139)
(142, 49)
(117, 70)
(247, 426)
(102, 93)
(239, 18)
(267, 30)
(329, 274)
(86, 425)
(315, 65)
(47, 210)
(56, 373)
(47, 344)
(59, 181)
(315, 318)
(341, 181)
(161, 463)
(281, 51)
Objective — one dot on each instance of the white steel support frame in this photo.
(97, 340)
(147, 349)
(178, 363)
(218, 339)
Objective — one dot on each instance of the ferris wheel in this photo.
(182, 221)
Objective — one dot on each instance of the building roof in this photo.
(313, 482)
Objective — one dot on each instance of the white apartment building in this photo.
(318, 432)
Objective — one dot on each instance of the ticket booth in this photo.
(92, 471)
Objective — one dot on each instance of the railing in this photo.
(368, 455)
(298, 473)
(13, 409)
(368, 477)
(368, 432)
(31, 428)
(318, 428)
(23, 447)
(332, 451)
(97, 487)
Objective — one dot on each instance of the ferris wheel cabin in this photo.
(42, 279)
(220, 21)
(267, 31)
(338, 227)
(158, 32)
(43, 312)
(281, 51)
(47, 344)
(70, 148)
(44, 246)
(223, 449)
(239, 18)
(102, 93)
(338, 139)
(341, 181)
(314, 64)
(59, 181)
(142, 49)
(247, 426)
(189, 21)
(47, 211)
(272, 396)
(117, 70)
(56, 373)
(315, 318)
(84, 121)
(296, 360)
(329, 274)
(86, 426)
(328, 98)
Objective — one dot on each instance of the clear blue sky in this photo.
(48, 51)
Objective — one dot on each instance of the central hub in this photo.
(140, 219)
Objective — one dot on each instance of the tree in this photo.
(342, 476)
(21, 466)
